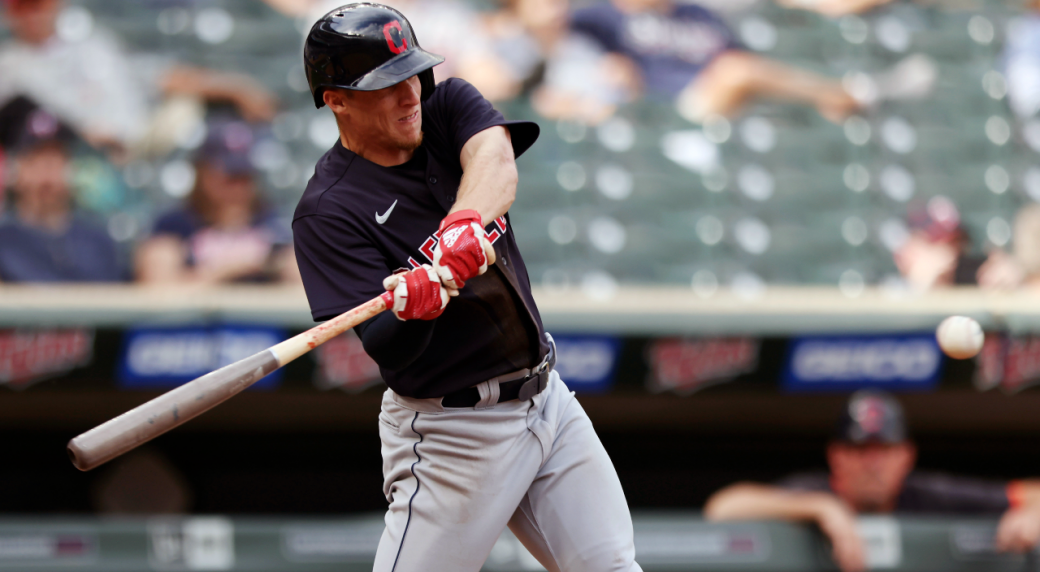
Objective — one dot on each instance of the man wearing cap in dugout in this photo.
(872, 471)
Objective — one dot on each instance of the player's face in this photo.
(33, 20)
(870, 477)
(382, 123)
(40, 184)
(223, 190)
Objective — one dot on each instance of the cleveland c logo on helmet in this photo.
(390, 39)
(344, 50)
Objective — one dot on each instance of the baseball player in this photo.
(477, 430)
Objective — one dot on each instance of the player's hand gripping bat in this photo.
(149, 420)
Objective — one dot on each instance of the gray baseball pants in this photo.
(456, 477)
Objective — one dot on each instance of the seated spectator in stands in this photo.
(937, 252)
(1021, 63)
(450, 28)
(871, 464)
(566, 74)
(1020, 267)
(90, 83)
(224, 233)
(44, 239)
(685, 52)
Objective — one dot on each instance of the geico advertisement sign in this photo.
(587, 363)
(841, 363)
(160, 357)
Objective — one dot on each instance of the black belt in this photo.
(530, 382)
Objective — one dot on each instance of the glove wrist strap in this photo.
(459, 216)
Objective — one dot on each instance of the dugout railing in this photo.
(665, 541)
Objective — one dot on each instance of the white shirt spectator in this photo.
(87, 83)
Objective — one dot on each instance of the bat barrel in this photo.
(151, 419)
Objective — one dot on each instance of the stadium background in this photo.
(683, 263)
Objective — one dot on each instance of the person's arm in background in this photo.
(834, 8)
(1019, 529)
(751, 501)
(250, 98)
(161, 259)
(735, 77)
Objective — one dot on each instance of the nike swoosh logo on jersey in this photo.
(381, 218)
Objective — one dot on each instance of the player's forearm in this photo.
(489, 175)
(750, 501)
(394, 344)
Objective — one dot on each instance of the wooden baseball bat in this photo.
(149, 420)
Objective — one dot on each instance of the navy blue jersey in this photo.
(925, 492)
(358, 222)
(80, 253)
(669, 48)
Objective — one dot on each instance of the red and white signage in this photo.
(28, 356)
(1010, 362)
(687, 365)
(343, 363)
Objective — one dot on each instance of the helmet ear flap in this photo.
(427, 83)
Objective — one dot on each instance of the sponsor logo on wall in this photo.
(343, 364)
(203, 543)
(39, 548)
(685, 365)
(164, 357)
(844, 363)
(29, 356)
(1009, 362)
(587, 364)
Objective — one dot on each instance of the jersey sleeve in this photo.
(340, 269)
(699, 13)
(460, 111)
(177, 223)
(939, 493)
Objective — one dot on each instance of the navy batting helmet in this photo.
(365, 47)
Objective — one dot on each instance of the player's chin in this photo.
(409, 140)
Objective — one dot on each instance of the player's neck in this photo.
(384, 156)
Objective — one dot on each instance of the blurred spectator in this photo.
(44, 240)
(871, 464)
(450, 28)
(1021, 63)
(937, 252)
(1003, 270)
(684, 51)
(566, 74)
(224, 233)
(834, 8)
(87, 80)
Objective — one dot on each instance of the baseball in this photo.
(959, 337)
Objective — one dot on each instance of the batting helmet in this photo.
(365, 47)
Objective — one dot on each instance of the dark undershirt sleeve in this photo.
(394, 344)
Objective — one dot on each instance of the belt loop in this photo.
(489, 392)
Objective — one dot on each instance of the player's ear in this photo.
(335, 99)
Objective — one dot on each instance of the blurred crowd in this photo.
(72, 96)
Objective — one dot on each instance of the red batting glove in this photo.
(463, 251)
(418, 294)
